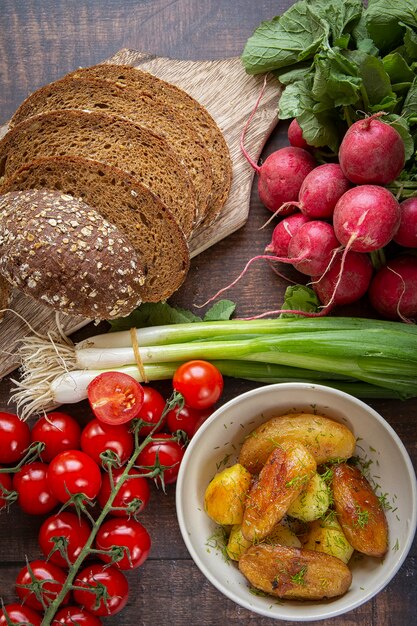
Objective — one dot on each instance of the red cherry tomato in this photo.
(115, 398)
(35, 495)
(14, 438)
(41, 571)
(151, 411)
(186, 419)
(199, 382)
(71, 472)
(129, 534)
(165, 451)
(133, 495)
(73, 529)
(112, 579)
(59, 432)
(75, 616)
(5, 485)
(97, 437)
(18, 614)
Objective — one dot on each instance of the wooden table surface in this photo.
(40, 40)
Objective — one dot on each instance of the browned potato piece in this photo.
(224, 499)
(327, 536)
(283, 477)
(359, 511)
(325, 438)
(295, 573)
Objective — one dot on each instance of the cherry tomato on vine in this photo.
(132, 497)
(186, 419)
(129, 534)
(199, 382)
(59, 432)
(97, 437)
(115, 397)
(35, 494)
(112, 579)
(73, 529)
(151, 411)
(164, 451)
(5, 485)
(18, 614)
(14, 438)
(72, 472)
(40, 571)
(75, 616)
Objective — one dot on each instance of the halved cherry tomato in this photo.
(132, 497)
(72, 472)
(75, 616)
(35, 494)
(199, 382)
(74, 531)
(97, 437)
(59, 432)
(5, 485)
(112, 579)
(40, 571)
(115, 397)
(151, 411)
(14, 438)
(128, 534)
(186, 419)
(18, 614)
(164, 451)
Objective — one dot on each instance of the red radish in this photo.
(372, 152)
(337, 287)
(295, 135)
(407, 232)
(283, 233)
(393, 290)
(312, 248)
(366, 218)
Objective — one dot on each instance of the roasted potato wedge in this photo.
(325, 439)
(286, 472)
(313, 501)
(237, 544)
(224, 499)
(295, 573)
(359, 511)
(282, 535)
(327, 536)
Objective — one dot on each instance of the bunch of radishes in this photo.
(337, 218)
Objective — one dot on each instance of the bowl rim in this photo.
(281, 387)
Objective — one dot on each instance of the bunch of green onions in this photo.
(367, 358)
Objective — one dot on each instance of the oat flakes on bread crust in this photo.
(149, 226)
(61, 252)
(108, 139)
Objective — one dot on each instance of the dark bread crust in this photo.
(134, 210)
(140, 108)
(108, 139)
(61, 252)
(6, 292)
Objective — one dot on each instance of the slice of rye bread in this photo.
(64, 254)
(108, 139)
(6, 292)
(103, 96)
(122, 200)
(196, 114)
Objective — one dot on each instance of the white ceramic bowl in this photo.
(223, 433)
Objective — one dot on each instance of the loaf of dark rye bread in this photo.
(101, 95)
(108, 139)
(149, 226)
(6, 291)
(187, 106)
(62, 253)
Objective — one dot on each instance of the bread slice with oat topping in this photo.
(61, 252)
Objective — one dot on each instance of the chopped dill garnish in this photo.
(298, 578)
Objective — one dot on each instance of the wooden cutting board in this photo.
(229, 95)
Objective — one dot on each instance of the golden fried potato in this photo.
(313, 501)
(224, 499)
(325, 438)
(286, 472)
(237, 544)
(295, 573)
(327, 536)
(359, 511)
(282, 535)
